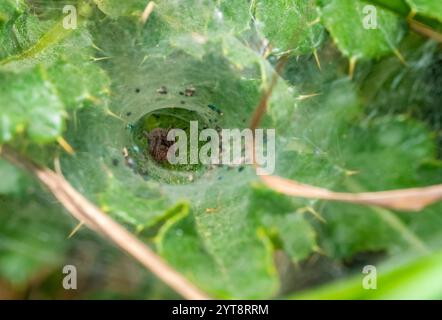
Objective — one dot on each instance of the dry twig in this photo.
(94, 218)
(414, 199)
(424, 30)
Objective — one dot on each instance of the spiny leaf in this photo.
(41, 76)
(116, 8)
(290, 25)
(409, 279)
(429, 8)
(30, 102)
(218, 225)
(13, 182)
(345, 20)
(31, 239)
(8, 8)
(283, 223)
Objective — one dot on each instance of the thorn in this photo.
(144, 60)
(316, 21)
(286, 54)
(76, 229)
(147, 12)
(412, 14)
(267, 50)
(350, 173)
(100, 58)
(318, 62)
(65, 145)
(97, 47)
(198, 38)
(319, 251)
(400, 57)
(125, 153)
(57, 166)
(307, 96)
(139, 228)
(352, 67)
(315, 213)
(93, 99)
(110, 113)
(425, 30)
(106, 91)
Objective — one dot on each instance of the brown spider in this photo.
(158, 144)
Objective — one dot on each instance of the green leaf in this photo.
(206, 17)
(45, 71)
(8, 8)
(49, 42)
(215, 231)
(178, 236)
(417, 278)
(234, 13)
(283, 223)
(390, 157)
(32, 239)
(337, 147)
(13, 180)
(351, 229)
(116, 8)
(188, 16)
(218, 229)
(29, 102)
(429, 8)
(79, 82)
(237, 259)
(399, 146)
(104, 83)
(290, 25)
(20, 33)
(344, 19)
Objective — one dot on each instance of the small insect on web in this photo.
(158, 143)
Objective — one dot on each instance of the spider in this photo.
(158, 144)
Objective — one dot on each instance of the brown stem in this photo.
(422, 29)
(414, 199)
(261, 108)
(94, 218)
